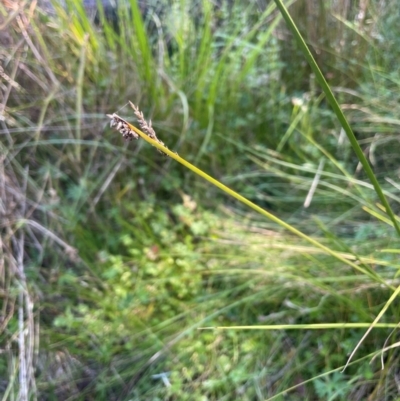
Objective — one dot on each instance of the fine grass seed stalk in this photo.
(128, 134)
(147, 128)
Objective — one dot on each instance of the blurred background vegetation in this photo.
(113, 256)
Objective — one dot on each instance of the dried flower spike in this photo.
(122, 126)
(146, 127)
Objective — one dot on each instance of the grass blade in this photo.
(79, 94)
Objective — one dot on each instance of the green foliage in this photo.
(227, 88)
(156, 276)
(332, 388)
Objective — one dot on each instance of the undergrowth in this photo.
(113, 257)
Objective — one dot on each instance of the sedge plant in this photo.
(102, 317)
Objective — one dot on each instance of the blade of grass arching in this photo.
(355, 29)
(292, 127)
(253, 206)
(43, 111)
(377, 215)
(89, 184)
(338, 111)
(298, 180)
(208, 134)
(9, 154)
(79, 97)
(381, 207)
(96, 183)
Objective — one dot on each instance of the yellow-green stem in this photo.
(253, 206)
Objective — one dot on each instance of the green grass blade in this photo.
(79, 94)
(315, 326)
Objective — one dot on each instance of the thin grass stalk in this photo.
(47, 62)
(79, 95)
(43, 111)
(11, 380)
(377, 215)
(287, 390)
(338, 111)
(255, 207)
(374, 324)
(314, 326)
(292, 128)
(23, 385)
(23, 368)
(208, 135)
